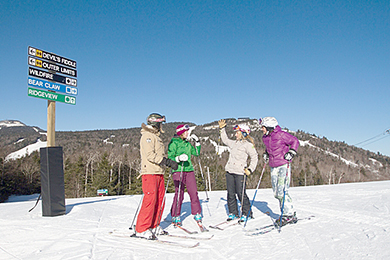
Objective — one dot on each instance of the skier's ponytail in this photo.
(250, 139)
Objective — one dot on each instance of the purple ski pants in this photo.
(187, 180)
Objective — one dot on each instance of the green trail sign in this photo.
(38, 93)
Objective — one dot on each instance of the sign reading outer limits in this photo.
(51, 67)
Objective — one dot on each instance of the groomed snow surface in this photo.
(352, 221)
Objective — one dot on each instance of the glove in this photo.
(247, 171)
(222, 123)
(169, 163)
(266, 157)
(290, 155)
(195, 138)
(181, 158)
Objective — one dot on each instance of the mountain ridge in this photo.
(319, 160)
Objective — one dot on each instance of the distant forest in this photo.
(110, 159)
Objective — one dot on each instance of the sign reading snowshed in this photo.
(52, 96)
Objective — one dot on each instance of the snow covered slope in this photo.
(10, 123)
(29, 149)
(351, 222)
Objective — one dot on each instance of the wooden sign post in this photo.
(51, 123)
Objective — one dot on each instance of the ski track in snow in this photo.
(351, 222)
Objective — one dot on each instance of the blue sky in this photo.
(317, 66)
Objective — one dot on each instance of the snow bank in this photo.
(351, 222)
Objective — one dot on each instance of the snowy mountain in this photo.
(19, 138)
(319, 160)
(10, 123)
(351, 222)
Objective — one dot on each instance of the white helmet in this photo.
(244, 129)
(268, 121)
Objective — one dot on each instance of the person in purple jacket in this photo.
(281, 147)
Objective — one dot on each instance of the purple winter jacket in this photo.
(277, 144)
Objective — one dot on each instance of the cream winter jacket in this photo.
(239, 152)
(152, 150)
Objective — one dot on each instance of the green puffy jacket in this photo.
(178, 146)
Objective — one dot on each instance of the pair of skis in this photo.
(168, 242)
(257, 231)
(268, 228)
(163, 241)
(200, 225)
(225, 224)
(174, 243)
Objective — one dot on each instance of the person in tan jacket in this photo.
(152, 161)
(237, 169)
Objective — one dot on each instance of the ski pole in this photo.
(161, 209)
(284, 197)
(242, 196)
(179, 190)
(201, 173)
(258, 185)
(216, 159)
(136, 212)
(204, 182)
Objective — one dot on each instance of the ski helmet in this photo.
(180, 129)
(155, 119)
(244, 129)
(268, 122)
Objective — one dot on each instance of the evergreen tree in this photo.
(100, 179)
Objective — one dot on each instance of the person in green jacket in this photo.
(180, 150)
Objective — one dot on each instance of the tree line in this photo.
(110, 159)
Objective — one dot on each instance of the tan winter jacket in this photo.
(239, 152)
(152, 150)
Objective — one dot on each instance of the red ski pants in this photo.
(151, 210)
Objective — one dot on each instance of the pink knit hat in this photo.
(180, 129)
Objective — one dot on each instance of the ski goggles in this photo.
(157, 120)
(236, 128)
(183, 128)
(245, 132)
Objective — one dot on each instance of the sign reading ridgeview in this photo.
(53, 77)
(40, 83)
(32, 92)
(51, 57)
(51, 66)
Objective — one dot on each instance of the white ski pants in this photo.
(278, 180)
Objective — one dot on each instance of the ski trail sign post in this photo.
(44, 82)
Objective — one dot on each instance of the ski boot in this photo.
(176, 221)
(245, 218)
(148, 234)
(231, 217)
(291, 219)
(198, 218)
(161, 232)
